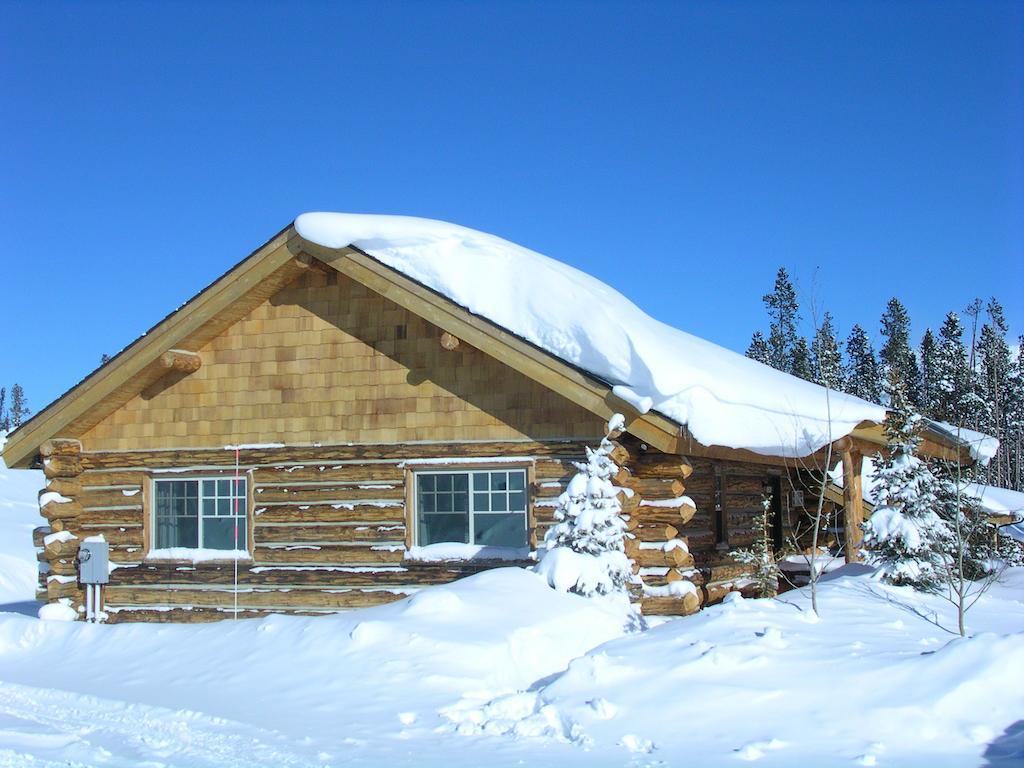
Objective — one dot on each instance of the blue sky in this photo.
(680, 152)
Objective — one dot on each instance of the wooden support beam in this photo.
(180, 360)
(853, 503)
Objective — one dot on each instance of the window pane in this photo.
(443, 528)
(176, 532)
(461, 501)
(481, 502)
(209, 487)
(427, 482)
(499, 481)
(499, 502)
(209, 506)
(480, 481)
(461, 482)
(500, 530)
(444, 482)
(517, 501)
(223, 487)
(191, 506)
(426, 503)
(219, 533)
(224, 506)
(516, 480)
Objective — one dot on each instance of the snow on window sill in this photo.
(447, 552)
(193, 556)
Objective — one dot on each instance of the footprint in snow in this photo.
(636, 744)
(755, 750)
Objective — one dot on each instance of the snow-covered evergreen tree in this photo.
(904, 536)
(862, 377)
(758, 349)
(802, 365)
(955, 392)
(783, 310)
(897, 358)
(584, 551)
(5, 419)
(826, 358)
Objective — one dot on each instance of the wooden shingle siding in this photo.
(322, 361)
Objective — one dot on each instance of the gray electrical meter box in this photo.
(93, 557)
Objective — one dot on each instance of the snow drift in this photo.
(722, 397)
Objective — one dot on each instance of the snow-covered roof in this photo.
(722, 397)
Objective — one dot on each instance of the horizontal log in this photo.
(547, 490)
(315, 599)
(91, 498)
(671, 606)
(271, 534)
(656, 488)
(61, 566)
(662, 466)
(116, 537)
(342, 473)
(94, 478)
(284, 576)
(556, 469)
(60, 446)
(180, 360)
(60, 465)
(314, 494)
(250, 457)
(655, 532)
(326, 513)
(58, 589)
(96, 517)
(38, 534)
(658, 558)
(66, 486)
(60, 510)
(327, 554)
(61, 548)
(178, 615)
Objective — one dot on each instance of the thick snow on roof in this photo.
(723, 397)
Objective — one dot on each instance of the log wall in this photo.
(330, 525)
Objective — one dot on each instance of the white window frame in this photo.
(243, 509)
(471, 513)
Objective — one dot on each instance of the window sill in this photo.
(186, 556)
(441, 554)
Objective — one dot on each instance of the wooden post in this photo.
(180, 360)
(853, 503)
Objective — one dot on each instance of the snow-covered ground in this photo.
(500, 670)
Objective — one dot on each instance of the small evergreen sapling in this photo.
(761, 554)
(904, 537)
(585, 549)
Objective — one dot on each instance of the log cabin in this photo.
(331, 425)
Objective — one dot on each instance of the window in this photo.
(486, 507)
(201, 513)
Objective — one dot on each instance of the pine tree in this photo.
(585, 548)
(904, 537)
(19, 411)
(784, 313)
(862, 378)
(5, 419)
(802, 365)
(995, 368)
(827, 362)
(898, 361)
(927, 397)
(953, 380)
(758, 349)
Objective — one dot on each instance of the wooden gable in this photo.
(327, 360)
